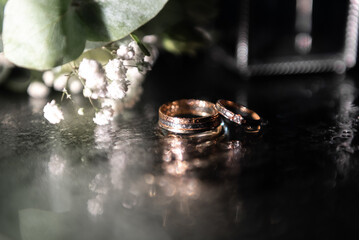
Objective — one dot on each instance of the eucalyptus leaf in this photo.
(4, 72)
(41, 34)
(102, 55)
(110, 20)
(182, 38)
(2, 5)
(91, 45)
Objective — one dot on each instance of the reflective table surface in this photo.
(297, 178)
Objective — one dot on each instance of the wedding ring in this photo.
(239, 114)
(188, 116)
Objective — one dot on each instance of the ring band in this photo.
(188, 116)
(239, 114)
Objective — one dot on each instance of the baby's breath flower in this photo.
(80, 111)
(75, 85)
(53, 113)
(108, 102)
(87, 92)
(104, 116)
(38, 90)
(125, 52)
(60, 82)
(150, 39)
(48, 77)
(115, 86)
(149, 59)
(115, 70)
(117, 89)
(133, 74)
(93, 73)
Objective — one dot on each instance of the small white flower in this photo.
(94, 95)
(38, 90)
(150, 39)
(93, 73)
(53, 113)
(125, 52)
(115, 105)
(87, 92)
(87, 67)
(117, 89)
(108, 102)
(149, 59)
(115, 70)
(152, 58)
(135, 47)
(134, 75)
(104, 116)
(139, 55)
(60, 82)
(80, 111)
(122, 51)
(48, 77)
(75, 86)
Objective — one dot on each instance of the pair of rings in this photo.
(194, 116)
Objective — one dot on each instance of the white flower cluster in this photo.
(116, 85)
(110, 83)
(53, 113)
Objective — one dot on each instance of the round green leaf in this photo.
(110, 20)
(41, 34)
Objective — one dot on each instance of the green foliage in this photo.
(102, 55)
(182, 25)
(2, 5)
(140, 44)
(182, 38)
(41, 34)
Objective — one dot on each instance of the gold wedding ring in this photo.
(188, 116)
(239, 114)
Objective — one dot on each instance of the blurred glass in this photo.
(297, 36)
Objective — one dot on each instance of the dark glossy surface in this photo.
(297, 179)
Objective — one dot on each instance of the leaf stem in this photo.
(140, 44)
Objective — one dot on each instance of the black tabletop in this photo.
(295, 179)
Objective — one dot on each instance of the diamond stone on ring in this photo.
(239, 114)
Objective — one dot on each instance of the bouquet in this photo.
(101, 49)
